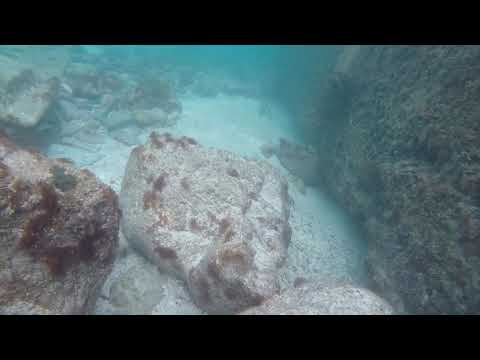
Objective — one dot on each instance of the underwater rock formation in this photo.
(301, 161)
(29, 82)
(213, 219)
(312, 298)
(26, 99)
(58, 234)
(401, 153)
(136, 287)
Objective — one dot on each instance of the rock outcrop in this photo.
(213, 219)
(58, 234)
(400, 151)
(300, 160)
(318, 299)
(29, 82)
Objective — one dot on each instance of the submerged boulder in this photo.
(29, 82)
(301, 161)
(58, 234)
(27, 99)
(216, 220)
(318, 299)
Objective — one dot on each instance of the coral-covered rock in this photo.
(318, 299)
(401, 153)
(58, 234)
(214, 219)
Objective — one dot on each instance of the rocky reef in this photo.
(399, 149)
(58, 234)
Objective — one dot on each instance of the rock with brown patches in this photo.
(318, 299)
(58, 234)
(194, 212)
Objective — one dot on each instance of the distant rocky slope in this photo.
(398, 137)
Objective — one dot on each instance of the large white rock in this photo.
(214, 219)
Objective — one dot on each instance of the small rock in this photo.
(117, 119)
(309, 298)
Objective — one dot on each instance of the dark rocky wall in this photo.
(399, 136)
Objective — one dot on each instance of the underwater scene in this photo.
(235, 179)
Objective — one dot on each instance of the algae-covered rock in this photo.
(58, 234)
(401, 154)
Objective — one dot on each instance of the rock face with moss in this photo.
(399, 145)
(213, 219)
(318, 299)
(58, 234)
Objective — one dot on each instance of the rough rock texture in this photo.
(318, 299)
(136, 287)
(26, 100)
(29, 82)
(301, 161)
(400, 151)
(212, 218)
(58, 234)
